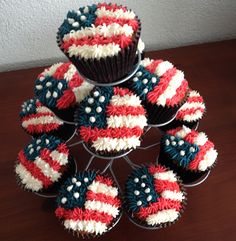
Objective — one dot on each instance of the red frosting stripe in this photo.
(122, 91)
(174, 131)
(75, 81)
(200, 155)
(161, 204)
(190, 111)
(105, 180)
(121, 21)
(62, 148)
(114, 110)
(195, 99)
(84, 215)
(89, 134)
(66, 100)
(45, 155)
(152, 67)
(163, 185)
(180, 94)
(31, 116)
(111, 7)
(158, 90)
(60, 71)
(121, 40)
(34, 170)
(40, 128)
(190, 137)
(155, 169)
(103, 198)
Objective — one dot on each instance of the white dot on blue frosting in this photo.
(99, 109)
(38, 141)
(48, 84)
(86, 179)
(192, 149)
(96, 94)
(145, 81)
(92, 119)
(47, 141)
(71, 20)
(54, 94)
(69, 188)
(167, 142)
(173, 143)
(75, 24)
(154, 80)
(83, 18)
(139, 73)
(48, 95)
(172, 138)
(88, 109)
(90, 100)
(145, 90)
(135, 79)
(182, 153)
(74, 180)
(136, 180)
(136, 192)
(102, 99)
(78, 12)
(41, 78)
(78, 184)
(144, 176)
(38, 148)
(139, 203)
(147, 190)
(149, 198)
(63, 200)
(59, 86)
(31, 150)
(181, 142)
(38, 87)
(86, 9)
(76, 195)
(143, 184)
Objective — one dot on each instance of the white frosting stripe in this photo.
(51, 70)
(208, 159)
(94, 51)
(119, 13)
(194, 105)
(166, 176)
(98, 187)
(43, 109)
(82, 91)
(147, 61)
(86, 226)
(127, 100)
(27, 179)
(163, 67)
(47, 170)
(59, 157)
(194, 116)
(129, 121)
(113, 29)
(70, 73)
(200, 139)
(163, 216)
(170, 91)
(173, 195)
(41, 120)
(118, 144)
(183, 132)
(102, 207)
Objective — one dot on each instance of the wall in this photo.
(28, 28)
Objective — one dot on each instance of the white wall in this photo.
(28, 27)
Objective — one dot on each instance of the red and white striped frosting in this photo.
(206, 156)
(44, 170)
(170, 201)
(112, 30)
(172, 87)
(101, 207)
(193, 109)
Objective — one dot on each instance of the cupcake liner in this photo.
(52, 191)
(142, 224)
(109, 69)
(64, 114)
(187, 176)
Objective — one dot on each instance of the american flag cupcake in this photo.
(190, 113)
(154, 197)
(37, 120)
(42, 164)
(161, 87)
(111, 121)
(60, 88)
(187, 152)
(89, 204)
(101, 40)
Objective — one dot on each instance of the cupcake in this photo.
(60, 88)
(187, 152)
(111, 121)
(161, 87)
(190, 113)
(89, 204)
(37, 119)
(42, 163)
(101, 41)
(154, 197)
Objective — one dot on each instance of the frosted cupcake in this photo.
(60, 88)
(111, 121)
(101, 40)
(190, 113)
(37, 119)
(161, 87)
(187, 152)
(89, 204)
(42, 163)
(154, 197)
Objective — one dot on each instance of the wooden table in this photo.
(211, 209)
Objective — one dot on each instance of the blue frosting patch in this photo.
(143, 82)
(28, 108)
(45, 141)
(179, 150)
(73, 192)
(76, 20)
(48, 90)
(140, 190)
(92, 110)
